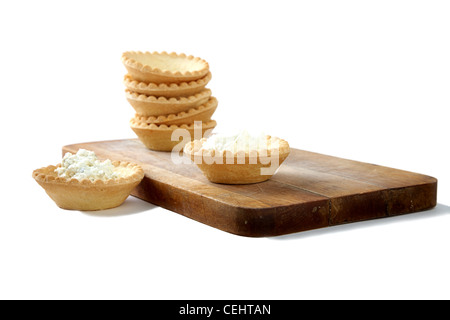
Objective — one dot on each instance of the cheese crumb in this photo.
(85, 165)
(241, 141)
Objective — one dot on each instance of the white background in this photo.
(364, 80)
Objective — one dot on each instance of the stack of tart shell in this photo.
(168, 92)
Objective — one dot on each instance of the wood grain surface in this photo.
(309, 191)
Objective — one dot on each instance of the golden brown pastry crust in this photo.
(158, 137)
(163, 67)
(74, 194)
(155, 106)
(236, 168)
(201, 113)
(183, 89)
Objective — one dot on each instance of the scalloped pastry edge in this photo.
(212, 103)
(172, 100)
(134, 85)
(193, 148)
(164, 127)
(136, 174)
(148, 69)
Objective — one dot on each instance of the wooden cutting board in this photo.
(309, 191)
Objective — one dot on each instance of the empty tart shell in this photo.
(155, 106)
(88, 195)
(201, 113)
(183, 89)
(159, 137)
(155, 67)
(239, 167)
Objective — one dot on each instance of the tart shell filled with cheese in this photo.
(238, 159)
(82, 182)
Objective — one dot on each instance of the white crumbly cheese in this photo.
(241, 141)
(85, 165)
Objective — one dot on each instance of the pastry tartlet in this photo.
(159, 137)
(183, 89)
(155, 106)
(201, 113)
(235, 166)
(169, 95)
(155, 67)
(89, 194)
